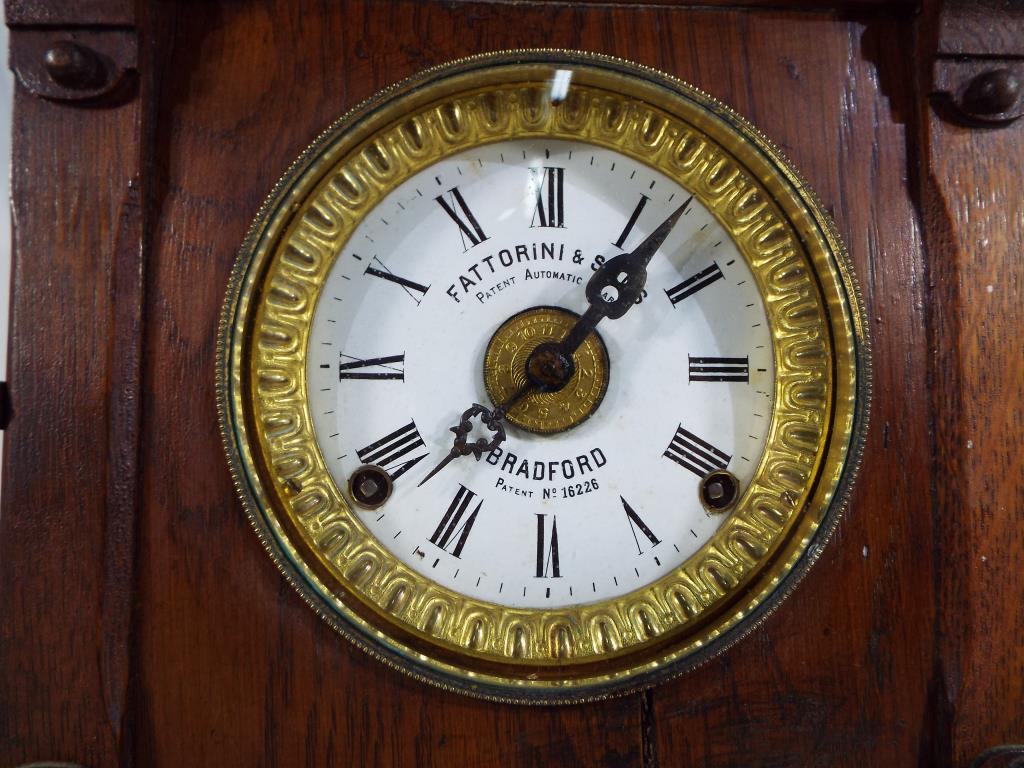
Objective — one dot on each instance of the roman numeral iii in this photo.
(453, 531)
(720, 369)
(692, 284)
(697, 455)
(547, 548)
(469, 228)
(550, 209)
(391, 451)
(637, 524)
(374, 368)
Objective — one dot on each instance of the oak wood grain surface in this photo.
(890, 653)
(838, 676)
(979, 27)
(79, 13)
(973, 203)
(61, 686)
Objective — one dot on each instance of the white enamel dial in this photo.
(396, 355)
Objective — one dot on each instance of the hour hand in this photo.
(618, 283)
(463, 446)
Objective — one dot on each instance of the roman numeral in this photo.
(720, 369)
(632, 221)
(691, 285)
(547, 554)
(358, 368)
(700, 457)
(458, 211)
(635, 523)
(452, 528)
(390, 451)
(408, 286)
(550, 210)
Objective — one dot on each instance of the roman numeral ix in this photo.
(469, 228)
(699, 456)
(550, 209)
(452, 529)
(547, 549)
(390, 367)
(390, 451)
(691, 285)
(720, 369)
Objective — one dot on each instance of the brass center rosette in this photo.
(505, 371)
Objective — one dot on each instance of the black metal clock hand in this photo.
(618, 283)
(611, 291)
(491, 418)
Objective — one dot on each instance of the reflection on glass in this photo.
(560, 85)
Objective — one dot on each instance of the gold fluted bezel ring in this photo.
(764, 545)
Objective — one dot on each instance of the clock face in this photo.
(542, 376)
(594, 507)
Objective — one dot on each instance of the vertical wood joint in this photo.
(648, 734)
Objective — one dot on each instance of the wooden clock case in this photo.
(142, 624)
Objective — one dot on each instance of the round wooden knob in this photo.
(991, 93)
(72, 65)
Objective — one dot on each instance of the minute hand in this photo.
(618, 283)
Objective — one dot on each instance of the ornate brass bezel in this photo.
(762, 546)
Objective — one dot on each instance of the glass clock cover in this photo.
(541, 373)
